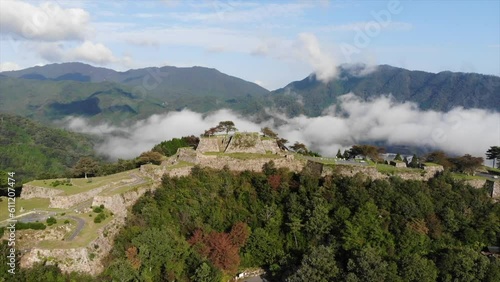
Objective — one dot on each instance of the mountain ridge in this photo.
(162, 89)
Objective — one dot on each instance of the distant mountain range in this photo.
(54, 91)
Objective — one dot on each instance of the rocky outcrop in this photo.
(30, 191)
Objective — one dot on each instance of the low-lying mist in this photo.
(458, 131)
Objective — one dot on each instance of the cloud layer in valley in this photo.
(458, 131)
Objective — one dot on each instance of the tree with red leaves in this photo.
(239, 234)
(222, 249)
(274, 181)
(223, 253)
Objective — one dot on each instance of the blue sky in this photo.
(271, 43)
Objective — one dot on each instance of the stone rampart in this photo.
(30, 191)
(208, 144)
(218, 162)
(245, 143)
(64, 202)
(271, 146)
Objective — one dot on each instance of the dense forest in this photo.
(304, 228)
(33, 150)
(301, 227)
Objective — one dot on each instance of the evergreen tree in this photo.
(346, 154)
(493, 153)
(339, 154)
(414, 162)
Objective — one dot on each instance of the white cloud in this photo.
(92, 52)
(88, 51)
(9, 66)
(47, 22)
(130, 141)
(323, 63)
(458, 131)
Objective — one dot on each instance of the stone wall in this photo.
(373, 173)
(64, 202)
(431, 171)
(30, 191)
(181, 171)
(187, 155)
(271, 146)
(208, 144)
(67, 260)
(495, 190)
(351, 170)
(117, 203)
(156, 172)
(476, 183)
(78, 259)
(245, 143)
(250, 164)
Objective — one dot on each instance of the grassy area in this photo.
(492, 170)
(27, 204)
(180, 164)
(88, 233)
(80, 185)
(244, 156)
(430, 164)
(384, 168)
(124, 188)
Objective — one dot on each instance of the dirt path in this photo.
(79, 226)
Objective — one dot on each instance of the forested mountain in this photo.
(302, 227)
(135, 94)
(437, 91)
(32, 150)
(53, 91)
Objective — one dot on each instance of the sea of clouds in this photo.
(458, 131)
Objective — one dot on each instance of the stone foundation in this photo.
(30, 191)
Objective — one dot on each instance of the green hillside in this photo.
(299, 227)
(32, 150)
